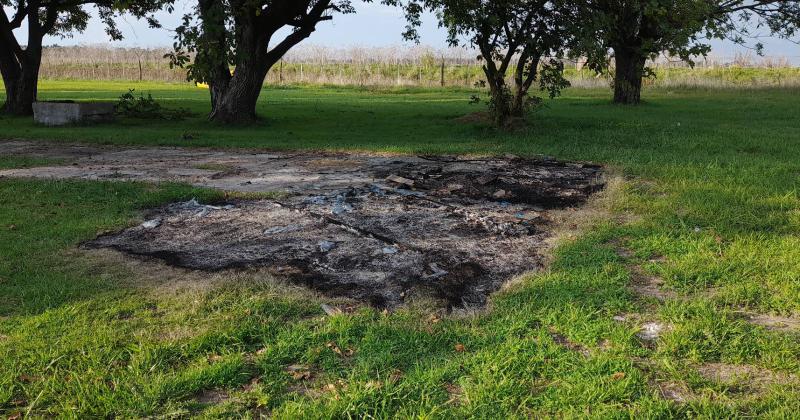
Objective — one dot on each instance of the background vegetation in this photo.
(399, 66)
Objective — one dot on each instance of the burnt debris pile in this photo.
(454, 229)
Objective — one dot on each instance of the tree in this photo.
(240, 33)
(638, 30)
(19, 63)
(504, 30)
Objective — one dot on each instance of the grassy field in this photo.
(709, 204)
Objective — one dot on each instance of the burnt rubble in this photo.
(455, 229)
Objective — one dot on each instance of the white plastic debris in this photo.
(650, 331)
(202, 209)
(326, 246)
(152, 224)
(281, 229)
(331, 310)
(341, 206)
(390, 250)
(437, 271)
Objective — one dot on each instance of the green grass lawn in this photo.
(710, 204)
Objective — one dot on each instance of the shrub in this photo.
(131, 106)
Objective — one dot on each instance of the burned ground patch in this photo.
(450, 228)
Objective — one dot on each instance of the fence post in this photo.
(442, 71)
(280, 74)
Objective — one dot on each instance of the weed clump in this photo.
(146, 107)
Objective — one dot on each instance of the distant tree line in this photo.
(522, 44)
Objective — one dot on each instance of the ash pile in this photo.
(449, 228)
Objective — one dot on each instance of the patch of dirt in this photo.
(211, 396)
(668, 389)
(455, 393)
(745, 378)
(379, 229)
(161, 279)
(643, 284)
(568, 344)
(646, 285)
(623, 252)
(56, 151)
(773, 322)
(675, 391)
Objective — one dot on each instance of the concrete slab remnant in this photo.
(64, 113)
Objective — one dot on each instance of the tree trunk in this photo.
(234, 96)
(20, 66)
(500, 103)
(524, 76)
(21, 83)
(236, 101)
(518, 102)
(628, 76)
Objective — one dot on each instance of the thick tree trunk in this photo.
(628, 76)
(20, 66)
(236, 101)
(234, 97)
(21, 90)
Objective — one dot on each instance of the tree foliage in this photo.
(638, 30)
(521, 36)
(220, 35)
(20, 59)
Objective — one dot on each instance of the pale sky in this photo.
(373, 25)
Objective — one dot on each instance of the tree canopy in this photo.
(511, 35)
(20, 59)
(638, 30)
(232, 44)
(240, 34)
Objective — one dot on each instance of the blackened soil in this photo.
(452, 229)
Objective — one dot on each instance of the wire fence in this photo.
(403, 66)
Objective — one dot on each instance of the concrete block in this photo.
(66, 112)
